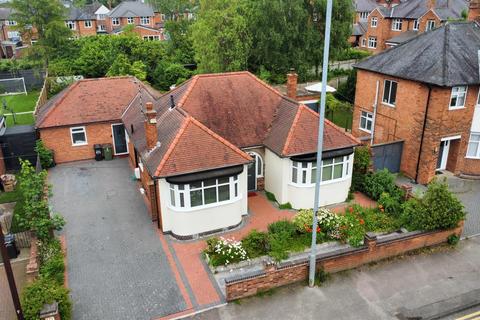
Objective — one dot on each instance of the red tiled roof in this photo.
(303, 135)
(191, 151)
(89, 100)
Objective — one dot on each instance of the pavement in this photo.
(376, 291)
(116, 266)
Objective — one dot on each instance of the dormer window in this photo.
(364, 15)
(397, 24)
(416, 25)
(145, 20)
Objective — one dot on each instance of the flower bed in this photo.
(437, 210)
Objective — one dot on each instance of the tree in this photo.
(120, 66)
(174, 8)
(168, 74)
(220, 36)
(180, 47)
(45, 18)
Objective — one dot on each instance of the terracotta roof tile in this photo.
(89, 100)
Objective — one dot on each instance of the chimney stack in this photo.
(430, 4)
(474, 10)
(151, 131)
(292, 79)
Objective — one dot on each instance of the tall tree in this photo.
(220, 36)
(179, 46)
(174, 8)
(45, 18)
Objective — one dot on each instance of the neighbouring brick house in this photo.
(202, 147)
(381, 25)
(11, 41)
(86, 113)
(87, 20)
(428, 96)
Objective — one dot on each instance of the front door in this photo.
(443, 155)
(120, 145)
(252, 178)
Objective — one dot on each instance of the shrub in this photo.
(374, 219)
(270, 196)
(51, 260)
(256, 244)
(279, 245)
(391, 203)
(285, 206)
(45, 155)
(379, 182)
(283, 227)
(43, 291)
(439, 209)
(303, 220)
(223, 251)
(329, 222)
(361, 163)
(453, 239)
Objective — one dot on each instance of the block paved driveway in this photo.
(117, 267)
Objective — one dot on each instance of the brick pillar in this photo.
(408, 191)
(50, 312)
(292, 79)
(33, 266)
(474, 10)
(370, 241)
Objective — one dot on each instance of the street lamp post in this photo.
(326, 50)
(10, 278)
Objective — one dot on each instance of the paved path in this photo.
(375, 292)
(117, 267)
(19, 265)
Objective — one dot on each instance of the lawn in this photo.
(19, 103)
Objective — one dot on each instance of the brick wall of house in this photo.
(430, 15)
(405, 122)
(83, 31)
(59, 140)
(142, 32)
(373, 251)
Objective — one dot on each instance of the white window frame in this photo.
(456, 93)
(471, 142)
(416, 25)
(101, 16)
(364, 15)
(88, 24)
(258, 163)
(182, 191)
(372, 42)
(389, 99)
(478, 98)
(151, 38)
(12, 34)
(11, 22)
(145, 21)
(130, 20)
(364, 42)
(84, 130)
(368, 117)
(397, 24)
(71, 25)
(102, 27)
(115, 21)
(374, 22)
(298, 170)
(430, 25)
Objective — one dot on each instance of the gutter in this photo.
(423, 132)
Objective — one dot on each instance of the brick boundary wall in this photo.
(278, 275)
(33, 265)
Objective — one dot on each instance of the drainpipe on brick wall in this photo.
(374, 114)
(423, 132)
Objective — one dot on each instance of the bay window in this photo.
(203, 193)
(304, 173)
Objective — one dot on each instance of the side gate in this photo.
(18, 142)
(387, 155)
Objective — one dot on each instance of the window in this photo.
(397, 24)
(430, 25)
(101, 16)
(163, 17)
(364, 42)
(102, 27)
(457, 100)
(389, 92)
(151, 38)
(115, 21)
(70, 25)
(304, 173)
(79, 136)
(203, 193)
(13, 34)
(416, 24)
(145, 20)
(474, 145)
(88, 23)
(478, 98)
(366, 121)
(130, 20)
(364, 15)
(372, 42)
(11, 23)
(374, 22)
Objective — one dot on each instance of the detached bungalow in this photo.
(202, 147)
